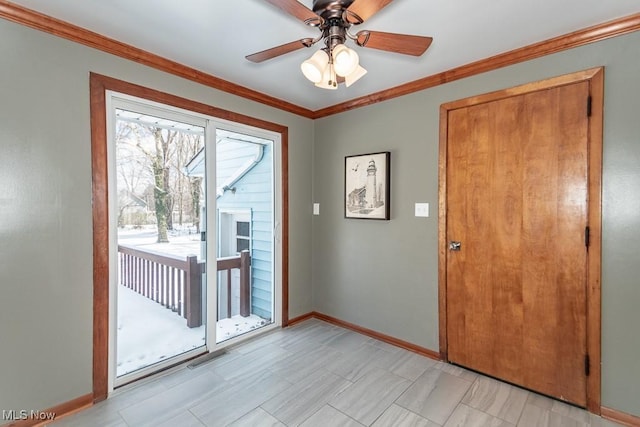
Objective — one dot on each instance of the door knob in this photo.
(454, 246)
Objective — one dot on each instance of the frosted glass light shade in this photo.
(354, 76)
(345, 60)
(314, 67)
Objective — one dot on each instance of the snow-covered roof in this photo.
(236, 155)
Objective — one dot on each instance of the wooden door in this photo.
(517, 201)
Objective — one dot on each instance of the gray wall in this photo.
(383, 275)
(380, 275)
(45, 208)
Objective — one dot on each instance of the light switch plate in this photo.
(422, 209)
(316, 208)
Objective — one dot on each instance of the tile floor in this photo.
(317, 374)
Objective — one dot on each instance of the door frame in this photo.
(99, 85)
(595, 77)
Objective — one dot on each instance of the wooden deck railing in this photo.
(242, 262)
(176, 283)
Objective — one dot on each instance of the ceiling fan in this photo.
(335, 62)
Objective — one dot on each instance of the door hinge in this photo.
(587, 365)
(587, 236)
(589, 106)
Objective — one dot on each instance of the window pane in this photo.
(242, 244)
(242, 229)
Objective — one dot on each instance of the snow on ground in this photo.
(183, 242)
(148, 332)
(238, 325)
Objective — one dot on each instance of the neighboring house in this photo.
(244, 206)
(132, 209)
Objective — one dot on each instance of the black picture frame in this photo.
(367, 173)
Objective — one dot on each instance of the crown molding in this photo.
(42, 22)
(578, 38)
(36, 20)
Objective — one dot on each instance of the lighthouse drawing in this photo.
(370, 194)
(366, 186)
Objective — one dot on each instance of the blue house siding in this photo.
(253, 192)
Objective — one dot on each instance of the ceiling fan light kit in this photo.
(355, 76)
(325, 70)
(314, 67)
(336, 63)
(329, 79)
(345, 60)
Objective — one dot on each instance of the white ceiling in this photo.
(214, 36)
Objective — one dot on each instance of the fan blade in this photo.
(297, 9)
(399, 43)
(361, 10)
(279, 50)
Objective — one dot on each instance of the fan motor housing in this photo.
(330, 9)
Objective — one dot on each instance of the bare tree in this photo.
(163, 139)
(188, 145)
(154, 144)
(133, 170)
(160, 154)
(195, 184)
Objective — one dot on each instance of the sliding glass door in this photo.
(194, 211)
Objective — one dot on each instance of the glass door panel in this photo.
(161, 292)
(245, 234)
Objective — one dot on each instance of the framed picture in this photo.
(366, 186)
